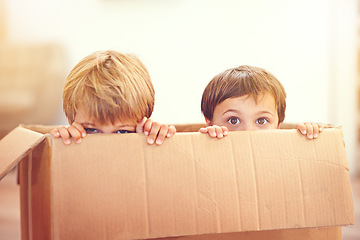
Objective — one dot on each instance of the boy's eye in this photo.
(91, 130)
(261, 121)
(233, 120)
(123, 131)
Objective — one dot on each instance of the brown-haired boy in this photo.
(110, 92)
(247, 98)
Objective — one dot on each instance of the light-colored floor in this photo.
(10, 211)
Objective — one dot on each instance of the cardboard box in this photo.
(271, 184)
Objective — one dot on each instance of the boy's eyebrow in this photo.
(237, 111)
(268, 112)
(231, 110)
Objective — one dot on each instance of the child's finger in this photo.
(315, 130)
(162, 134)
(80, 128)
(219, 132)
(74, 133)
(140, 125)
(225, 130)
(321, 128)
(211, 132)
(55, 133)
(153, 132)
(171, 131)
(64, 134)
(203, 130)
(147, 126)
(302, 128)
(309, 130)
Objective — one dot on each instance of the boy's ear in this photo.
(208, 122)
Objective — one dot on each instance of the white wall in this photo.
(310, 45)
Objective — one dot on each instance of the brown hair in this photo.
(108, 85)
(240, 81)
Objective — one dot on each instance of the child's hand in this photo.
(155, 131)
(215, 131)
(311, 130)
(75, 130)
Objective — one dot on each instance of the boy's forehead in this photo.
(266, 98)
(263, 98)
(264, 102)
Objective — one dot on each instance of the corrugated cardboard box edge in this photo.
(30, 139)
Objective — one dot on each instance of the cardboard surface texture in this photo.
(191, 187)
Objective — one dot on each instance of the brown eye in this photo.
(233, 120)
(92, 130)
(261, 121)
(124, 131)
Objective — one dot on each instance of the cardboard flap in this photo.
(15, 146)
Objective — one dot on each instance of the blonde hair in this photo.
(241, 81)
(109, 85)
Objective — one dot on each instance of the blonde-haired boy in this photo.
(247, 98)
(110, 92)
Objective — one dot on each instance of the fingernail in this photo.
(316, 135)
(158, 141)
(146, 133)
(151, 141)
(303, 131)
(67, 142)
(225, 133)
(168, 135)
(220, 135)
(83, 134)
(310, 136)
(78, 141)
(320, 129)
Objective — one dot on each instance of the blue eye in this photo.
(91, 130)
(233, 120)
(123, 131)
(262, 121)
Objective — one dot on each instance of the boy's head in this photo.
(233, 95)
(108, 86)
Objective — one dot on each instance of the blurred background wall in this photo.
(311, 46)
